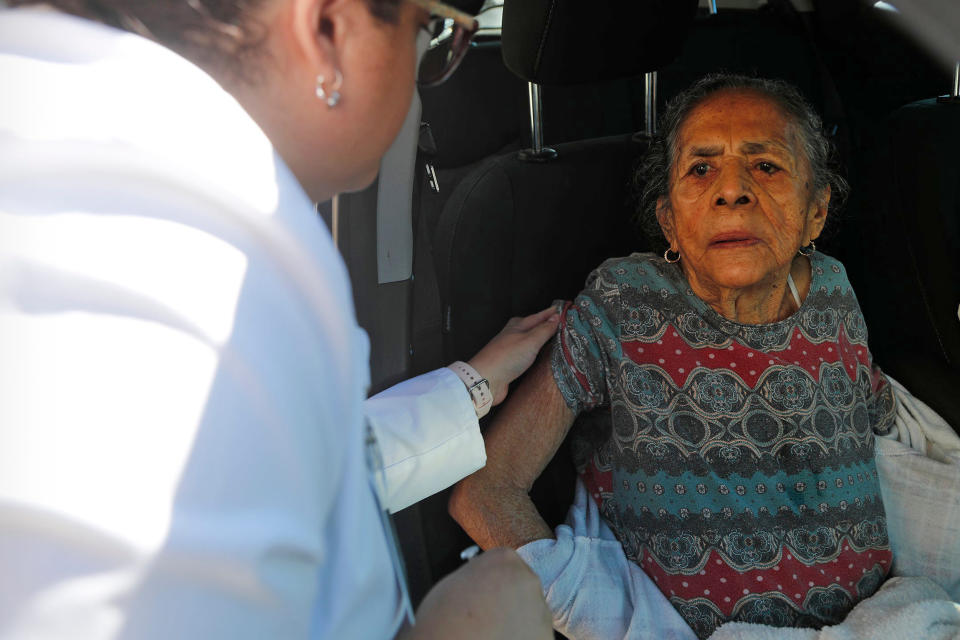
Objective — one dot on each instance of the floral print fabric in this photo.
(737, 466)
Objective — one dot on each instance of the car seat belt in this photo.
(427, 317)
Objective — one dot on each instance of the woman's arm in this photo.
(493, 505)
(426, 427)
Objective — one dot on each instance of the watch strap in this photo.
(477, 386)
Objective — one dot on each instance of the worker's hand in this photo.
(495, 596)
(513, 350)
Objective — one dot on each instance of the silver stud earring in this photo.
(333, 97)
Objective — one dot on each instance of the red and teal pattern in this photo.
(737, 465)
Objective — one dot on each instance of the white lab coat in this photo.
(182, 379)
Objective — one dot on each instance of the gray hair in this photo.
(652, 179)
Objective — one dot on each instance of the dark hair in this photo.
(220, 33)
(652, 179)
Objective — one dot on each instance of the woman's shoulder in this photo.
(828, 274)
(634, 265)
(636, 269)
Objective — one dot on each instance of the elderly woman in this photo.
(738, 469)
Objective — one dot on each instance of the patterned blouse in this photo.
(737, 469)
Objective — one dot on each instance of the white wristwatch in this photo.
(477, 386)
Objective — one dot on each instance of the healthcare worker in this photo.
(185, 446)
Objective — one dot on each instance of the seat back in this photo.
(912, 296)
(513, 236)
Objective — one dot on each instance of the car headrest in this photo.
(562, 42)
(470, 6)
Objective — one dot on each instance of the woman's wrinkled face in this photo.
(741, 200)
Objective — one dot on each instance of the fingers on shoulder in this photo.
(534, 319)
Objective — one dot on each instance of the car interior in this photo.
(514, 179)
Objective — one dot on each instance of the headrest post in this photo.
(537, 152)
(650, 103)
(713, 7)
(954, 95)
(536, 117)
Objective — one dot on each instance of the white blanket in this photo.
(919, 467)
(903, 609)
(594, 592)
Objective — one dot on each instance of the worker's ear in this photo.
(318, 30)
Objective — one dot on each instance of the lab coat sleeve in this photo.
(429, 436)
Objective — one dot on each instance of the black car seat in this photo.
(514, 234)
(913, 292)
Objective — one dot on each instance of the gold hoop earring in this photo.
(666, 257)
(333, 97)
(807, 250)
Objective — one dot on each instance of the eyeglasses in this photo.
(451, 31)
